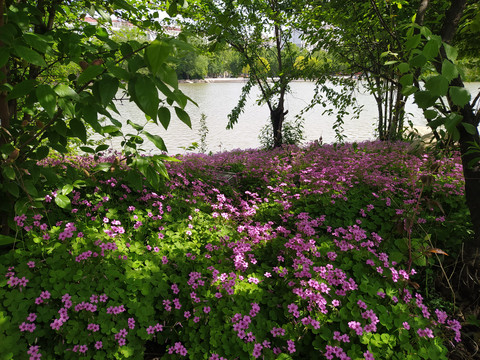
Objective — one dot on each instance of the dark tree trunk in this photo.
(471, 172)
(277, 116)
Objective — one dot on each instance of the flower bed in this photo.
(308, 253)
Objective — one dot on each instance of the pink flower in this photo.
(291, 346)
(368, 355)
(277, 332)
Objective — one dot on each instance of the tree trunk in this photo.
(277, 116)
(471, 173)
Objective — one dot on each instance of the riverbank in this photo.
(214, 80)
(223, 80)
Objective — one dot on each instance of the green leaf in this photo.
(119, 72)
(181, 98)
(134, 180)
(8, 172)
(406, 80)
(41, 153)
(156, 140)
(430, 114)
(135, 126)
(101, 33)
(29, 55)
(390, 62)
(4, 56)
(108, 87)
(127, 351)
(169, 76)
(49, 174)
(22, 89)
(161, 168)
(63, 90)
(424, 99)
(183, 116)
(145, 95)
(451, 52)
(67, 189)
(36, 41)
(78, 129)
(62, 201)
(156, 54)
(469, 128)
(438, 85)
(164, 116)
(21, 206)
(459, 95)
(430, 51)
(403, 67)
(452, 121)
(89, 114)
(152, 177)
(413, 42)
(418, 60)
(409, 90)
(103, 167)
(110, 129)
(89, 74)
(87, 149)
(449, 70)
(30, 188)
(47, 98)
(102, 147)
(6, 240)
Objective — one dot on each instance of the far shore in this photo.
(221, 80)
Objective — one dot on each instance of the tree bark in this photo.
(277, 116)
(471, 173)
(422, 9)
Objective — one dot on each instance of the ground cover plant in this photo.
(313, 252)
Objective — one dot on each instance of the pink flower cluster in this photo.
(33, 351)
(178, 348)
(153, 329)
(29, 326)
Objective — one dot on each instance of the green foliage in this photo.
(60, 76)
(424, 50)
(134, 259)
(292, 134)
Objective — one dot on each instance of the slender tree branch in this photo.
(422, 9)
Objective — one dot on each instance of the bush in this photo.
(292, 134)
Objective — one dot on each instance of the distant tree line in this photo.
(207, 62)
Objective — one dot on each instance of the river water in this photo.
(217, 99)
